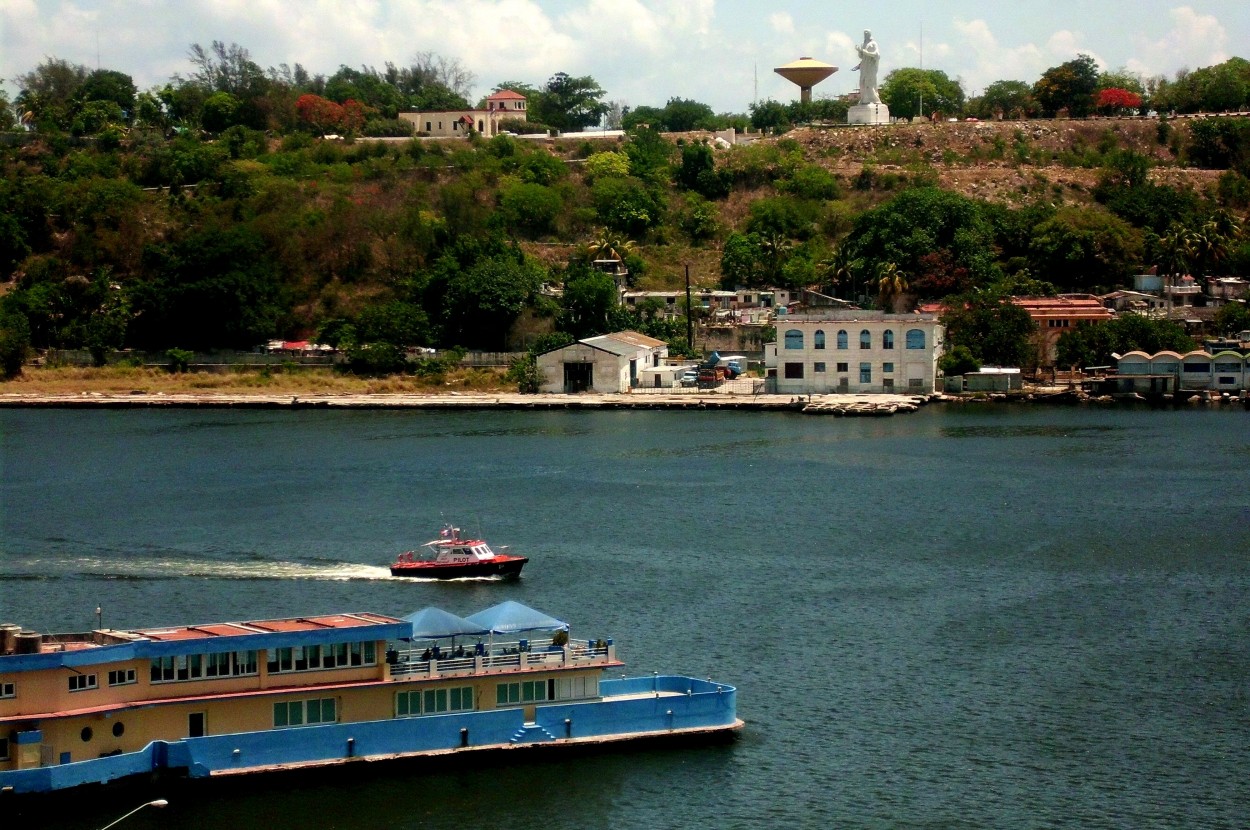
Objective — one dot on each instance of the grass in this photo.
(130, 380)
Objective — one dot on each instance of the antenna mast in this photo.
(922, 69)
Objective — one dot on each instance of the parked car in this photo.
(690, 377)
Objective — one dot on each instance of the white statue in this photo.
(869, 60)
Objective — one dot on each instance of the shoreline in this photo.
(815, 404)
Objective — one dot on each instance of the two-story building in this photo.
(856, 351)
(503, 105)
(1055, 315)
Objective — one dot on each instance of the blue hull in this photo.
(667, 706)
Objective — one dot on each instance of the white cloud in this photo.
(782, 23)
(1194, 40)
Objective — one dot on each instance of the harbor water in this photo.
(968, 617)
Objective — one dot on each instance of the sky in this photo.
(641, 52)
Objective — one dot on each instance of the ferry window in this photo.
(162, 669)
(371, 654)
(508, 693)
(82, 682)
(8, 690)
(86, 734)
(533, 690)
(431, 701)
(119, 729)
(340, 654)
(121, 677)
(356, 654)
(313, 655)
(320, 710)
(915, 339)
(865, 339)
(299, 661)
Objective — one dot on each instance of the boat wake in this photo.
(162, 568)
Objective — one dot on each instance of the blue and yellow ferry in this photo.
(234, 698)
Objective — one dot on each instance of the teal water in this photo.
(967, 617)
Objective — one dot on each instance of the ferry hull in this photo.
(506, 568)
(644, 709)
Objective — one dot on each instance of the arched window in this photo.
(915, 339)
(794, 339)
(818, 339)
(842, 339)
(865, 339)
(887, 339)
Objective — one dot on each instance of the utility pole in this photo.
(922, 69)
(689, 315)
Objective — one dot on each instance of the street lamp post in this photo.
(160, 802)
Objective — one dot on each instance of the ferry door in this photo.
(195, 725)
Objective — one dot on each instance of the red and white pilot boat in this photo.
(451, 557)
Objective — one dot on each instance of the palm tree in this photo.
(1173, 255)
(891, 285)
(609, 244)
(775, 247)
(836, 270)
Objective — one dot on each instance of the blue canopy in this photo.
(511, 617)
(435, 623)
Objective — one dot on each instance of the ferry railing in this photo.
(510, 655)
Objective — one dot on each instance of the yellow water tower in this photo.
(806, 73)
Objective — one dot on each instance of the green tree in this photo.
(959, 361)
(1013, 99)
(14, 342)
(996, 331)
(589, 298)
(1096, 344)
(919, 222)
(109, 85)
(1069, 86)
(1232, 318)
(1082, 249)
(483, 301)
(905, 89)
(529, 209)
(770, 116)
(681, 115)
(741, 261)
(48, 99)
(570, 103)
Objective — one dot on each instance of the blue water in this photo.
(968, 617)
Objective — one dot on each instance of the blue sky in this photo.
(720, 52)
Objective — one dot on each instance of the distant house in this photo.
(1055, 315)
(609, 363)
(855, 351)
(1163, 372)
(502, 105)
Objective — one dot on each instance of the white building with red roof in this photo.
(504, 105)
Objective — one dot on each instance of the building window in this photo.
(314, 658)
(844, 367)
(794, 339)
(427, 126)
(4, 749)
(794, 371)
(865, 373)
(300, 712)
(842, 342)
(887, 368)
(1195, 368)
(1057, 324)
(887, 339)
(865, 339)
(1226, 380)
(915, 383)
(529, 691)
(433, 701)
(8, 690)
(121, 677)
(200, 666)
(818, 339)
(1228, 367)
(82, 682)
(915, 339)
(887, 384)
(819, 368)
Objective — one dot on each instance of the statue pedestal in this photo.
(868, 114)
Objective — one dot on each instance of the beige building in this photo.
(855, 351)
(606, 364)
(501, 106)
